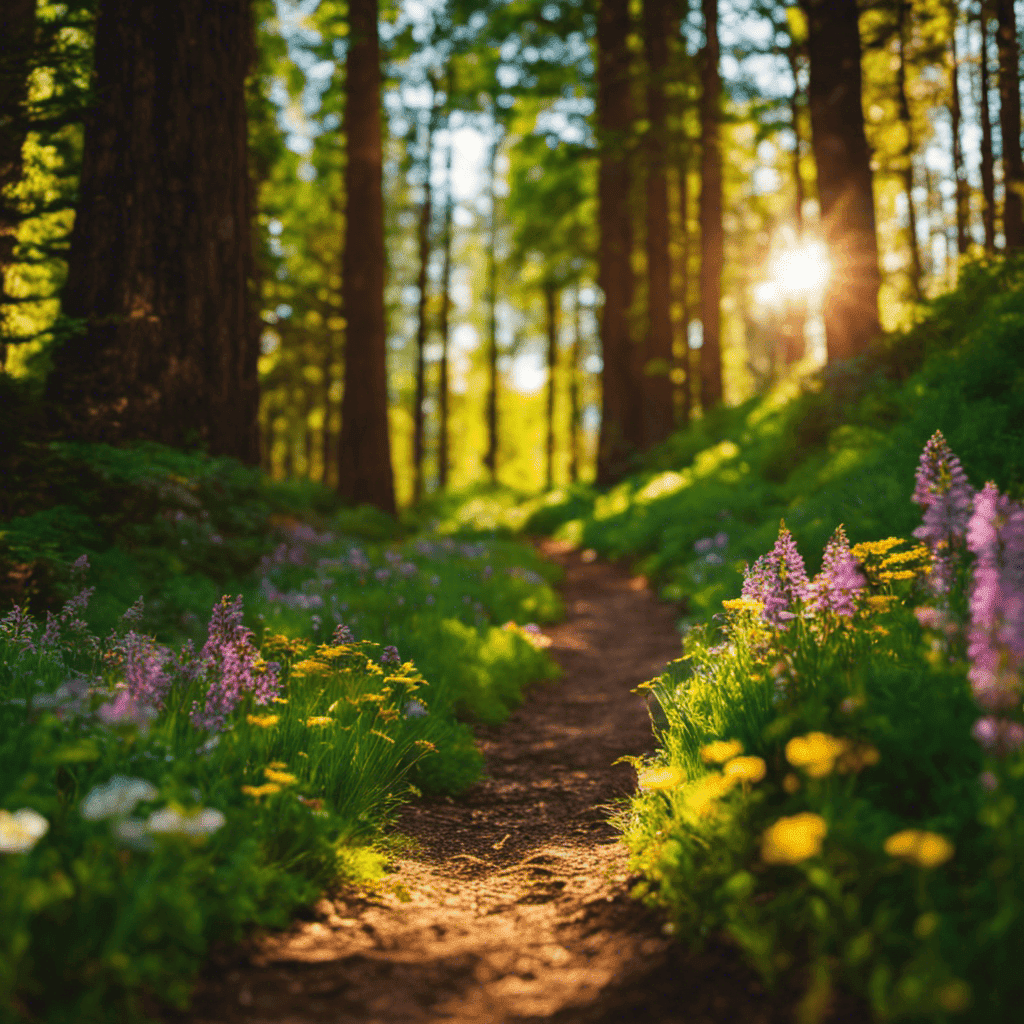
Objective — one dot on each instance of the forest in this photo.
(511, 510)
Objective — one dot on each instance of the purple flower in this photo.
(999, 736)
(233, 665)
(18, 628)
(343, 635)
(995, 643)
(146, 668)
(390, 656)
(126, 710)
(778, 580)
(835, 588)
(944, 493)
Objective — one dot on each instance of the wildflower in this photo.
(703, 794)
(342, 635)
(318, 720)
(279, 777)
(930, 618)
(944, 493)
(742, 604)
(835, 588)
(198, 825)
(925, 849)
(414, 709)
(720, 751)
(663, 777)
(778, 580)
(815, 753)
(117, 798)
(20, 831)
(793, 839)
(390, 656)
(127, 710)
(996, 638)
(998, 735)
(263, 721)
(746, 769)
(265, 790)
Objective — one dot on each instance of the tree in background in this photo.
(1009, 121)
(620, 408)
(845, 192)
(160, 264)
(712, 235)
(987, 168)
(364, 457)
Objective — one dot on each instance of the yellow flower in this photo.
(279, 765)
(309, 667)
(816, 753)
(282, 778)
(720, 751)
(893, 576)
(702, 795)
(263, 721)
(742, 604)
(665, 777)
(315, 720)
(880, 602)
(791, 840)
(925, 849)
(746, 769)
(875, 547)
(265, 790)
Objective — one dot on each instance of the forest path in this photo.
(515, 906)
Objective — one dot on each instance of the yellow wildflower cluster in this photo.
(720, 751)
(279, 777)
(925, 849)
(329, 651)
(278, 643)
(879, 602)
(263, 721)
(318, 720)
(878, 548)
(701, 796)
(661, 777)
(919, 554)
(819, 754)
(742, 604)
(265, 790)
(309, 667)
(793, 839)
(746, 769)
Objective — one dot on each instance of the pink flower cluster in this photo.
(232, 664)
(944, 493)
(835, 588)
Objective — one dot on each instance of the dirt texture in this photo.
(514, 906)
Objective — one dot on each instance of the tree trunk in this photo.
(843, 162)
(326, 460)
(988, 174)
(364, 457)
(491, 455)
(907, 156)
(426, 216)
(963, 240)
(684, 399)
(712, 235)
(161, 254)
(1009, 121)
(795, 321)
(659, 417)
(619, 399)
(574, 389)
(17, 32)
(443, 455)
(551, 314)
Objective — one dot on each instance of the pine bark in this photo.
(551, 312)
(845, 192)
(1009, 122)
(17, 32)
(963, 240)
(426, 217)
(364, 458)
(443, 454)
(161, 255)
(988, 174)
(712, 234)
(915, 272)
(658, 405)
(619, 394)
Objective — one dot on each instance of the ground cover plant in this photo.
(174, 777)
(841, 764)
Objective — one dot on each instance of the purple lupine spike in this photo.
(835, 588)
(778, 580)
(146, 674)
(995, 647)
(390, 656)
(944, 493)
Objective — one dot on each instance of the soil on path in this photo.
(514, 906)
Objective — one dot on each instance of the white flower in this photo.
(20, 831)
(134, 833)
(117, 798)
(169, 822)
(414, 709)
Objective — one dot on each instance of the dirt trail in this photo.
(514, 907)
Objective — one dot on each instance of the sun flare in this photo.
(795, 272)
